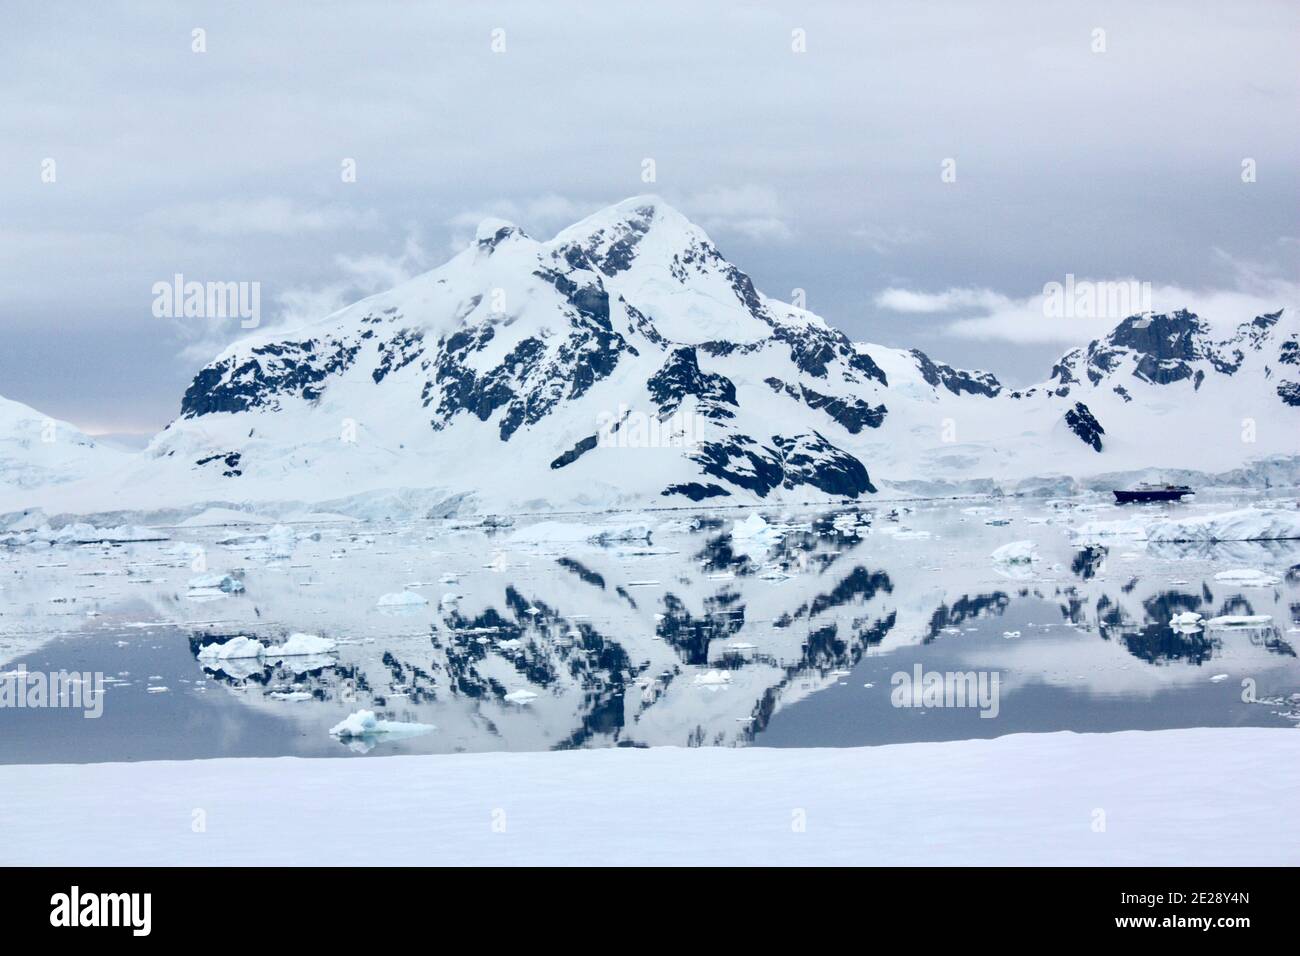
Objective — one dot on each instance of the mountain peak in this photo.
(635, 216)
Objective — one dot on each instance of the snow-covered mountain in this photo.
(627, 363)
(36, 451)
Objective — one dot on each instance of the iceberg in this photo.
(364, 723)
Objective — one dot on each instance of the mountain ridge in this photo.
(526, 375)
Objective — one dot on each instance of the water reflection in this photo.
(698, 631)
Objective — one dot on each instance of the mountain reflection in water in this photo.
(666, 630)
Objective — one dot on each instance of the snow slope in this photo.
(627, 363)
(1179, 797)
(36, 451)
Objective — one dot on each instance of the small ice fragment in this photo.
(1017, 552)
(401, 599)
(713, 678)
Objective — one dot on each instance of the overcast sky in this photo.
(819, 170)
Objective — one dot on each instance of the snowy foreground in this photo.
(1179, 797)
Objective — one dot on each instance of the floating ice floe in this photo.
(218, 517)
(79, 533)
(237, 648)
(280, 541)
(847, 524)
(1247, 578)
(1017, 552)
(1240, 620)
(903, 534)
(364, 723)
(1015, 560)
(400, 599)
(713, 678)
(754, 536)
(293, 696)
(1218, 678)
(225, 583)
(302, 645)
(544, 534)
(1186, 621)
(246, 648)
(520, 696)
(1094, 531)
(1246, 524)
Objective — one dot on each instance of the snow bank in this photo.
(1248, 524)
(1022, 799)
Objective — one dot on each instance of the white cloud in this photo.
(751, 211)
(883, 240)
(950, 300)
(539, 216)
(1030, 320)
(272, 215)
(295, 307)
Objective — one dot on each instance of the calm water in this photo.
(646, 631)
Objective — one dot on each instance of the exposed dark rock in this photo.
(958, 381)
(853, 413)
(576, 452)
(271, 371)
(696, 491)
(1082, 423)
(680, 376)
(230, 459)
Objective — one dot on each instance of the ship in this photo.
(1149, 492)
